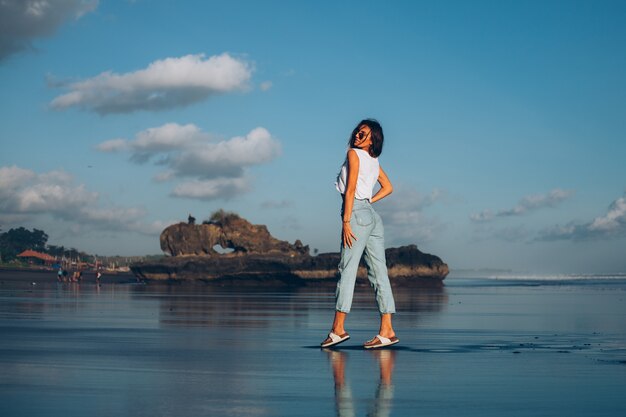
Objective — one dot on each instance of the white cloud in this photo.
(166, 137)
(22, 21)
(24, 194)
(613, 220)
(164, 84)
(218, 166)
(59, 177)
(113, 145)
(610, 225)
(171, 137)
(525, 205)
(222, 188)
(228, 157)
(266, 85)
(14, 176)
(51, 197)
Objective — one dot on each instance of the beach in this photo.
(476, 346)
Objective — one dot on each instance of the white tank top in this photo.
(369, 169)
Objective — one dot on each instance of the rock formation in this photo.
(257, 256)
(229, 231)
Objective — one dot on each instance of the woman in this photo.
(362, 233)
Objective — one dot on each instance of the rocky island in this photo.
(249, 253)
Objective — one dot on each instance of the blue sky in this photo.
(504, 123)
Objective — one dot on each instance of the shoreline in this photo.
(50, 275)
(244, 281)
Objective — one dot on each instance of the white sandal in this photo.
(381, 342)
(335, 339)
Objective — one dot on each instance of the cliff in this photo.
(229, 231)
(256, 256)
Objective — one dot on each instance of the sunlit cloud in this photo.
(25, 194)
(222, 188)
(113, 145)
(164, 84)
(208, 167)
(610, 225)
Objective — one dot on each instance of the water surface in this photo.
(474, 347)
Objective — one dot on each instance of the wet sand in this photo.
(473, 347)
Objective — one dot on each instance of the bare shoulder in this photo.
(353, 157)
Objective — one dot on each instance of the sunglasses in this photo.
(361, 135)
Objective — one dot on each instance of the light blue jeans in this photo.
(367, 226)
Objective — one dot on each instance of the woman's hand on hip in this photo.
(347, 235)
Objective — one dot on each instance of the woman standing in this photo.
(362, 233)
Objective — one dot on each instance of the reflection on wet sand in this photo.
(155, 350)
(209, 305)
(33, 303)
(383, 397)
(420, 299)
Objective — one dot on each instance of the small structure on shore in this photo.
(37, 257)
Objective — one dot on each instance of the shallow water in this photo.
(473, 347)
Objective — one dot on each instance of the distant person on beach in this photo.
(362, 233)
(98, 275)
(60, 275)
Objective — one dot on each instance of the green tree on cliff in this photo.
(221, 217)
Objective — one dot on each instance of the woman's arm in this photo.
(348, 198)
(385, 187)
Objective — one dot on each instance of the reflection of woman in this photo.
(344, 401)
(381, 407)
(362, 233)
(383, 399)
